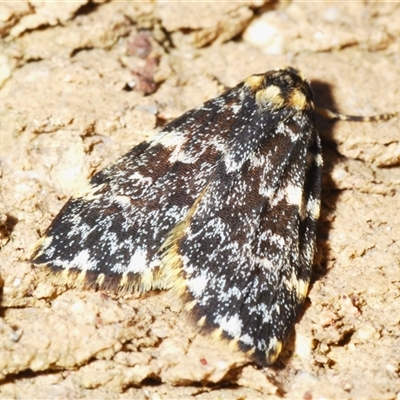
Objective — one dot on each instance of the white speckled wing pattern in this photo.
(221, 206)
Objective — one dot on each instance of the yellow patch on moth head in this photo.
(298, 100)
(270, 97)
(255, 82)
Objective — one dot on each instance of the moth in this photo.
(221, 207)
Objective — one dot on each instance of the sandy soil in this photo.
(67, 110)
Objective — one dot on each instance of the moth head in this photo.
(281, 88)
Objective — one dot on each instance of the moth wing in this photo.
(108, 234)
(241, 259)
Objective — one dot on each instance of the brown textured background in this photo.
(64, 114)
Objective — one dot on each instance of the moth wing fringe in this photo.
(85, 279)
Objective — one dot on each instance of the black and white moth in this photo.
(221, 206)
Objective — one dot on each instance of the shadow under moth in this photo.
(221, 206)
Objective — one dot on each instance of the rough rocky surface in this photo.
(67, 110)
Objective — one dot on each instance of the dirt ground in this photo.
(82, 82)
